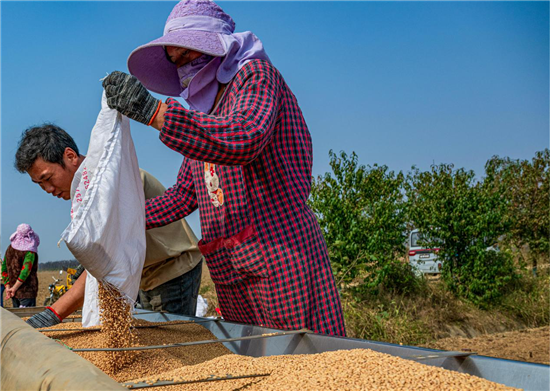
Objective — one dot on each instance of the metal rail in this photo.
(133, 313)
(177, 345)
(133, 327)
(420, 357)
(174, 382)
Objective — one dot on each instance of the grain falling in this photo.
(116, 325)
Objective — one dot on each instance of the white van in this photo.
(423, 260)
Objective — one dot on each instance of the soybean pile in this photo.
(358, 369)
(144, 362)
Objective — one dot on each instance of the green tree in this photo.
(525, 185)
(463, 218)
(361, 212)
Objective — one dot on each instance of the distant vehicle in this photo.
(422, 259)
(58, 289)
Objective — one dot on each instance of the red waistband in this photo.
(233, 241)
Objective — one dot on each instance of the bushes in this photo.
(382, 319)
(528, 299)
(525, 185)
(398, 277)
(463, 217)
(361, 212)
(485, 278)
(366, 213)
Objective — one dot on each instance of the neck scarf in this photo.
(201, 88)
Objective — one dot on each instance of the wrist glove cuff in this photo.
(46, 318)
(155, 114)
(55, 313)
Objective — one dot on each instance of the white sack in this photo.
(107, 231)
(202, 306)
(90, 309)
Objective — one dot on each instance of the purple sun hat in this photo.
(24, 239)
(193, 24)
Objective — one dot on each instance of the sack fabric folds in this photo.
(107, 231)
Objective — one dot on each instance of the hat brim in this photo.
(149, 63)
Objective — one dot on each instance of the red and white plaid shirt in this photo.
(247, 167)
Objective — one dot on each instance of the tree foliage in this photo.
(462, 217)
(367, 212)
(58, 265)
(525, 185)
(361, 211)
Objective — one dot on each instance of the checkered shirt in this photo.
(247, 168)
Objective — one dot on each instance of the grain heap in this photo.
(359, 369)
(146, 362)
(116, 325)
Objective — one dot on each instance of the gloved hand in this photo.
(45, 318)
(127, 95)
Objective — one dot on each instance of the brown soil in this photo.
(532, 345)
(208, 291)
(45, 279)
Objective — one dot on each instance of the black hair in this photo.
(47, 141)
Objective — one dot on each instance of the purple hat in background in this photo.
(24, 239)
(199, 25)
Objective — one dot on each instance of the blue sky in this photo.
(399, 83)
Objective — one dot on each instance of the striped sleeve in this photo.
(176, 202)
(235, 139)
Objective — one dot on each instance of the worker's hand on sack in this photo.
(127, 95)
(45, 318)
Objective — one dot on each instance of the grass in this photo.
(379, 321)
(433, 313)
(529, 301)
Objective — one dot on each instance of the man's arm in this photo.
(73, 299)
(66, 305)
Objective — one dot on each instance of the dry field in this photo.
(44, 280)
(531, 345)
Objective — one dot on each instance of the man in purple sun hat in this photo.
(247, 158)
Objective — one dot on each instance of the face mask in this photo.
(202, 87)
(189, 70)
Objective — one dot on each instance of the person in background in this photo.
(247, 160)
(2, 288)
(20, 265)
(172, 271)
